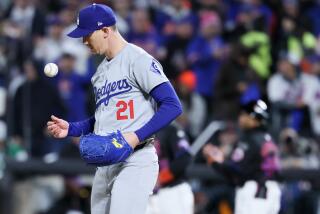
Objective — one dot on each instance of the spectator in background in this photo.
(175, 60)
(194, 106)
(214, 5)
(255, 37)
(143, 34)
(243, 15)
(250, 23)
(34, 102)
(83, 63)
(236, 83)
(27, 17)
(220, 195)
(48, 49)
(24, 24)
(298, 152)
(173, 194)
(287, 94)
(262, 11)
(295, 39)
(253, 164)
(71, 87)
(312, 93)
(171, 13)
(67, 17)
(177, 24)
(313, 15)
(205, 54)
(291, 8)
(51, 47)
(122, 10)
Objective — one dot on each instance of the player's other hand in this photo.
(57, 127)
(131, 138)
(212, 154)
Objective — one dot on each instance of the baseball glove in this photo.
(104, 150)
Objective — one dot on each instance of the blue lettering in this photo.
(118, 84)
(114, 86)
(125, 84)
(109, 90)
(103, 89)
(99, 92)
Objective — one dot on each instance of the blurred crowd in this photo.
(219, 54)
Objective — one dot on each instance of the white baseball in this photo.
(51, 69)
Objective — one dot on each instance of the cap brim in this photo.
(79, 32)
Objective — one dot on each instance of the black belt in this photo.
(143, 144)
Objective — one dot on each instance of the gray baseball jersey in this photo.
(121, 88)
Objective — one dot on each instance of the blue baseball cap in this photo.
(92, 18)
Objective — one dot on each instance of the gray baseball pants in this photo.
(125, 188)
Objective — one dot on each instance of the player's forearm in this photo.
(77, 129)
(170, 108)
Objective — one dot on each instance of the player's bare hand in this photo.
(212, 154)
(131, 138)
(57, 127)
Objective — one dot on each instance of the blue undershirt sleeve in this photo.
(169, 108)
(76, 129)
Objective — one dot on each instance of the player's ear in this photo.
(105, 31)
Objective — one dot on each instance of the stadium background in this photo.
(217, 53)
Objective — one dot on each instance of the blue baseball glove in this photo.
(104, 150)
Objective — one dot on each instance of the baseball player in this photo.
(128, 85)
(253, 163)
(173, 193)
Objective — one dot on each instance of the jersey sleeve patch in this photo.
(155, 68)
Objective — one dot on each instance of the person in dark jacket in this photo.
(253, 164)
(234, 84)
(34, 102)
(173, 195)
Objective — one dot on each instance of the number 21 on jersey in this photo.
(125, 110)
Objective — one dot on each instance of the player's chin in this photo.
(93, 51)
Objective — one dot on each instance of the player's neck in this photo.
(115, 46)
